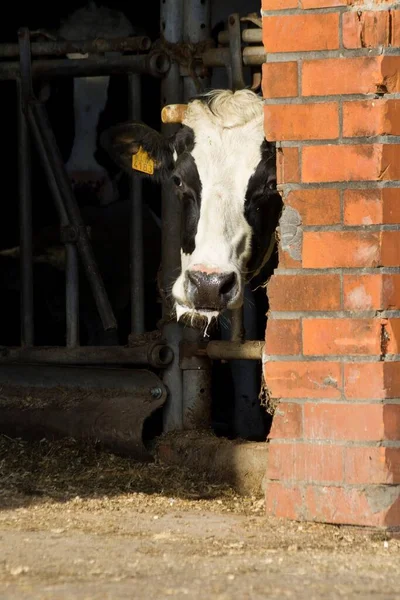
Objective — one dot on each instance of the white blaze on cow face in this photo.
(227, 151)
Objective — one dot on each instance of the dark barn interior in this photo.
(110, 232)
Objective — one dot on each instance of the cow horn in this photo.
(173, 113)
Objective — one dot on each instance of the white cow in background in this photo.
(90, 98)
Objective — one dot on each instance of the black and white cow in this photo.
(224, 173)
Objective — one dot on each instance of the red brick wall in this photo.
(331, 85)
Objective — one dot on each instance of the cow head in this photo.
(224, 174)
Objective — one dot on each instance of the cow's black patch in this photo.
(125, 139)
(185, 177)
(263, 206)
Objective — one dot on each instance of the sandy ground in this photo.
(79, 523)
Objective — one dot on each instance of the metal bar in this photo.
(220, 57)
(136, 228)
(41, 125)
(171, 93)
(249, 36)
(196, 388)
(225, 350)
(216, 57)
(72, 295)
(196, 28)
(235, 48)
(155, 64)
(237, 327)
(24, 91)
(63, 47)
(155, 354)
(25, 224)
(254, 55)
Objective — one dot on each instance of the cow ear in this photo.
(137, 148)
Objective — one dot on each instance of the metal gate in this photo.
(175, 369)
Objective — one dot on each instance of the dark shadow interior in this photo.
(49, 286)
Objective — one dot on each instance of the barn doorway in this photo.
(229, 418)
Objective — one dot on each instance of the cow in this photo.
(102, 195)
(224, 174)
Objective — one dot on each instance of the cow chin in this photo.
(196, 317)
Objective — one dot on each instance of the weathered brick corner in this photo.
(331, 85)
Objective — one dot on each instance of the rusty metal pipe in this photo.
(155, 354)
(156, 64)
(249, 36)
(220, 57)
(63, 47)
(224, 350)
(254, 55)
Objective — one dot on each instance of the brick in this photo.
(301, 121)
(297, 379)
(395, 28)
(362, 292)
(286, 261)
(340, 422)
(282, 500)
(287, 164)
(283, 336)
(377, 506)
(278, 4)
(362, 207)
(377, 381)
(390, 256)
(372, 465)
(391, 291)
(332, 249)
(371, 117)
(301, 32)
(360, 75)
(322, 3)
(305, 462)
(391, 206)
(287, 422)
(280, 80)
(327, 337)
(391, 344)
(316, 207)
(391, 421)
(304, 292)
(365, 29)
(372, 206)
(371, 292)
(369, 162)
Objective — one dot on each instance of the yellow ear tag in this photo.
(141, 161)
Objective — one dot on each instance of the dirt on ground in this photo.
(77, 522)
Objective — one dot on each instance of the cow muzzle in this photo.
(211, 290)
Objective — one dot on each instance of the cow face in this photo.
(224, 175)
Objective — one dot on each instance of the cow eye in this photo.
(177, 180)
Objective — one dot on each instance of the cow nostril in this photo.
(194, 278)
(228, 284)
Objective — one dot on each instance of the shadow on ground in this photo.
(37, 471)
